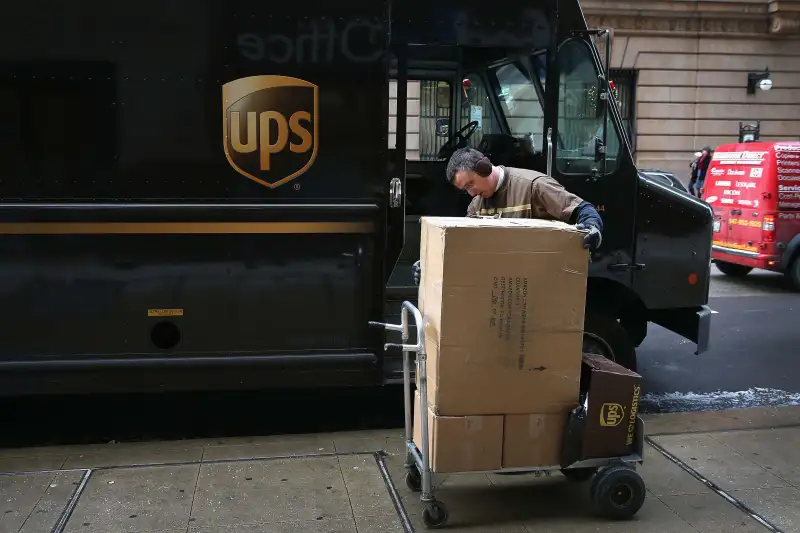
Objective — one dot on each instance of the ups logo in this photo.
(270, 127)
(611, 414)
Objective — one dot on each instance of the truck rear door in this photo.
(714, 185)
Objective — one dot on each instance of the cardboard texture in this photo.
(533, 440)
(504, 303)
(612, 407)
(460, 443)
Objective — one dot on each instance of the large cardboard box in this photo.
(504, 302)
(613, 394)
(533, 440)
(460, 443)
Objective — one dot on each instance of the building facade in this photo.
(681, 68)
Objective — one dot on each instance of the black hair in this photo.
(467, 159)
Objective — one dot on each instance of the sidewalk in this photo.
(337, 483)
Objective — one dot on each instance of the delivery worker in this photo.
(509, 192)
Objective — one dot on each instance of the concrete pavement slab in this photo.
(31, 463)
(654, 516)
(145, 500)
(775, 450)
(758, 468)
(133, 456)
(712, 459)
(710, 513)
(269, 492)
(390, 441)
(662, 477)
(780, 506)
(365, 487)
(333, 525)
(281, 445)
(32, 503)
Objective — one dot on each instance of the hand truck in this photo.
(616, 489)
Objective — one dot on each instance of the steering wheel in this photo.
(459, 140)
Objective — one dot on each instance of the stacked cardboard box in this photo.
(504, 304)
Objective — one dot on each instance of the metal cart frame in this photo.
(617, 489)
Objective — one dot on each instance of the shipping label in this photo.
(509, 312)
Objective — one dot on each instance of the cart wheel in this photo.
(413, 480)
(434, 515)
(619, 493)
(578, 474)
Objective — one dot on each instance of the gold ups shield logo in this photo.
(611, 414)
(270, 127)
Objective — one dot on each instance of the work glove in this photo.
(416, 270)
(591, 240)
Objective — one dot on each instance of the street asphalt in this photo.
(753, 359)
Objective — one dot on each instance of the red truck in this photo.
(754, 191)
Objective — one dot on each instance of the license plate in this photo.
(717, 225)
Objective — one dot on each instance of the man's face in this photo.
(473, 184)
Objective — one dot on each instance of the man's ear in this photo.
(483, 167)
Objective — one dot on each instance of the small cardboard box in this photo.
(533, 440)
(613, 394)
(460, 443)
(504, 303)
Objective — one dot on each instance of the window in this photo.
(427, 121)
(580, 114)
(625, 81)
(475, 106)
(520, 103)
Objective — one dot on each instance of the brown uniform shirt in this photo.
(526, 194)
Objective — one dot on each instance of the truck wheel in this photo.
(793, 273)
(733, 270)
(604, 335)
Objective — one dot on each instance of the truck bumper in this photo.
(693, 323)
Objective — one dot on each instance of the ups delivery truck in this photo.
(210, 194)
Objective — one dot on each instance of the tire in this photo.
(434, 515)
(733, 270)
(578, 474)
(604, 335)
(619, 493)
(793, 273)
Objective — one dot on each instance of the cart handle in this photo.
(403, 328)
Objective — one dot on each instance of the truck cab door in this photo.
(591, 156)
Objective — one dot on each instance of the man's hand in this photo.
(591, 240)
(416, 269)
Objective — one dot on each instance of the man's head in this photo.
(470, 171)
